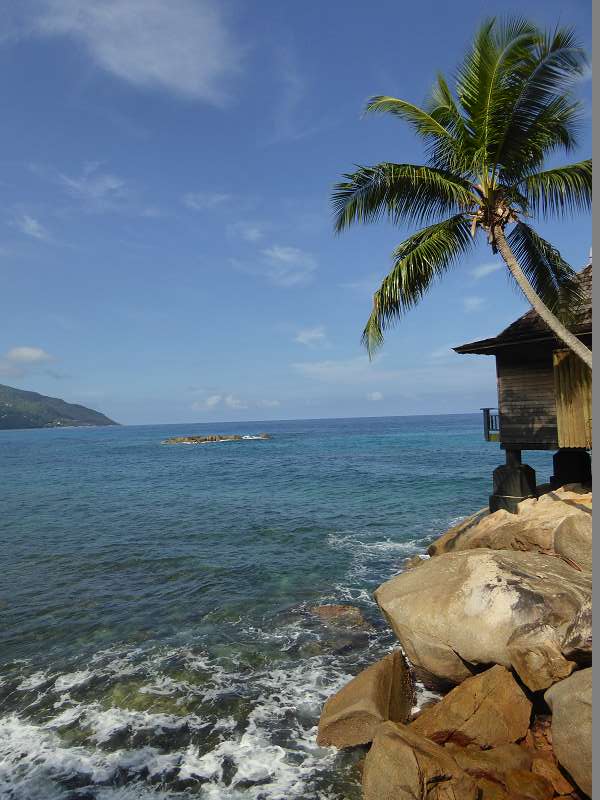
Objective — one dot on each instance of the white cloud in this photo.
(229, 400)
(248, 231)
(204, 201)
(18, 361)
(348, 371)
(183, 46)
(288, 266)
(473, 303)
(268, 404)
(483, 270)
(311, 336)
(101, 190)
(31, 227)
(374, 396)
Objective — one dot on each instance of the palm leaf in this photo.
(551, 277)
(560, 190)
(400, 192)
(418, 261)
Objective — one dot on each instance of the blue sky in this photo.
(166, 245)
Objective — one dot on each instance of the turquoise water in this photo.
(157, 639)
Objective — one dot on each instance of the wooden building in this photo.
(544, 401)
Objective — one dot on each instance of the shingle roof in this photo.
(530, 327)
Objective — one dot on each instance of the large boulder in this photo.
(577, 641)
(535, 653)
(489, 709)
(490, 764)
(571, 704)
(534, 528)
(461, 609)
(402, 765)
(573, 540)
(383, 691)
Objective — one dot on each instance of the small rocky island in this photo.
(214, 437)
(496, 620)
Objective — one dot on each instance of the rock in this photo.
(490, 764)
(490, 790)
(401, 765)
(460, 609)
(489, 709)
(571, 704)
(577, 641)
(213, 437)
(343, 616)
(412, 562)
(548, 769)
(532, 529)
(535, 654)
(573, 540)
(382, 692)
(529, 785)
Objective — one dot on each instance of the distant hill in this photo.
(20, 409)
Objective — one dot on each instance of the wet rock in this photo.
(461, 609)
(489, 709)
(528, 785)
(535, 654)
(571, 704)
(383, 691)
(402, 765)
(573, 541)
(412, 562)
(339, 615)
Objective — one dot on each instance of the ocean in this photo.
(157, 639)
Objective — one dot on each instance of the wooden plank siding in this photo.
(573, 390)
(527, 402)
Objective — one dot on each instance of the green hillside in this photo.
(21, 409)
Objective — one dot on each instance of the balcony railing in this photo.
(491, 424)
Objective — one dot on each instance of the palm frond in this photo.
(401, 192)
(551, 277)
(540, 94)
(560, 190)
(418, 261)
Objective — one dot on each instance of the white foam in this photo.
(33, 681)
(71, 679)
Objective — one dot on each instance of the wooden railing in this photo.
(491, 424)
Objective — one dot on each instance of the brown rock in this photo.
(577, 641)
(412, 562)
(528, 784)
(534, 651)
(383, 691)
(490, 764)
(571, 704)
(452, 537)
(549, 770)
(460, 609)
(490, 790)
(489, 709)
(401, 765)
(573, 540)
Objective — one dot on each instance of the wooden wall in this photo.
(526, 399)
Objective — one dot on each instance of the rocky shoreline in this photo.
(214, 437)
(496, 617)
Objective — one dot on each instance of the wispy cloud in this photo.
(289, 123)
(483, 270)
(222, 401)
(248, 231)
(355, 370)
(205, 201)
(185, 47)
(311, 336)
(99, 189)
(473, 303)
(374, 397)
(19, 361)
(31, 227)
(281, 265)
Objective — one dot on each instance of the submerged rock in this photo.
(461, 609)
(383, 691)
(489, 709)
(403, 765)
(571, 704)
(340, 616)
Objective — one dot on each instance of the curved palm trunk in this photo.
(559, 330)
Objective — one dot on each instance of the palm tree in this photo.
(487, 145)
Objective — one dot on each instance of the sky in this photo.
(166, 243)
